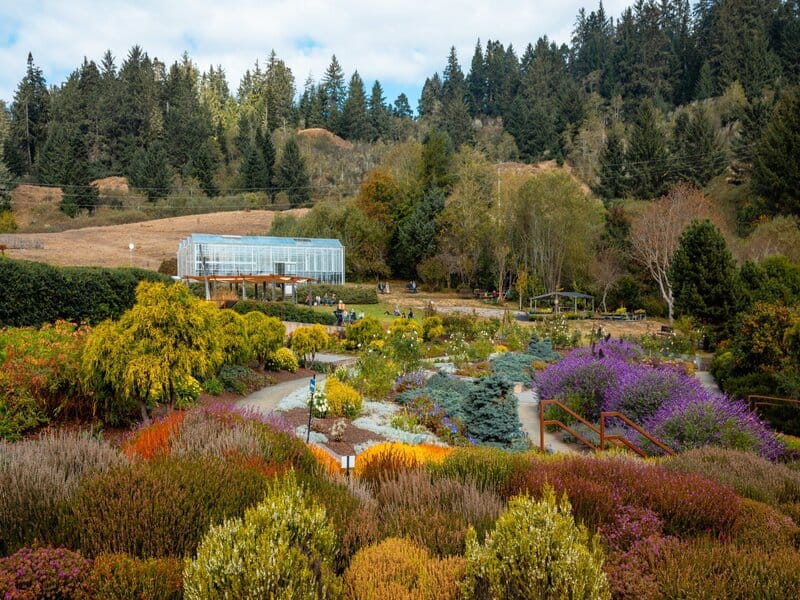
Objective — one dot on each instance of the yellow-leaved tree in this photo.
(266, 335)
(154, 353)
(307, 341)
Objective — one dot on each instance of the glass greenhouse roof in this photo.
(258, 240)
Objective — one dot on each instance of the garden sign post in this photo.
(312, 384)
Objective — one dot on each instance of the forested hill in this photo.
(665, 91)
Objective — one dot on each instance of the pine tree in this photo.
(80, 193)
(29, 117)
(611, 172)
(437, 155)
(402, 108)
(703, 276)
(334, 94)
(6, 185)
(697, 152)
(204, 166)
(292, 176)
(416, 235)
(476, 82)
(280, 90)
(378, 113)
(150, 171)
(647, 158)
(776, 169)
(430, 99)
(268, 156)
(253, 172)
(354, 121)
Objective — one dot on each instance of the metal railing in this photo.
(605, 438)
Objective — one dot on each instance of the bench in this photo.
(666, 330)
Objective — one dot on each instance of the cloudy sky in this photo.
(398, 43)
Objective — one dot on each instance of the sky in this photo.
(399, 43)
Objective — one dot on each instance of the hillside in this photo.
(153, 241)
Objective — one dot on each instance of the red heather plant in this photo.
(44, 573)
(687, 504)
(154, 439)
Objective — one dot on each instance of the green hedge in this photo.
(286, 311)
(35, 293)
(349, 294)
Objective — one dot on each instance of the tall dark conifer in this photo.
(30, 112)
(354, 122)
(292, 176)
(611, 173)
(647, 157)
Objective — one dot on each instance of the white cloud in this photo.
(399, 43)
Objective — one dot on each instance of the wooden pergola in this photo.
(554, 297)
(244, 280)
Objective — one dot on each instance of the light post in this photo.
(131, 247)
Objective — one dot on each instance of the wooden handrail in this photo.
(619, 415)
(780, 401)
(600, 431)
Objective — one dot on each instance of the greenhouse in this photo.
(223, 255)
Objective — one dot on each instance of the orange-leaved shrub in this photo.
(326, 462)
(37, 479)
(390, 458)
(398, 569)
(688, 504)
(161, 507)
(435, 513)
(154, 439)
(120, 577)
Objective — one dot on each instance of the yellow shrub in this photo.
(398, 569)
(388, 458)
(343, 399)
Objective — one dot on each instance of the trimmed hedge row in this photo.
(349, 294)
(286, 311)
(35, 293)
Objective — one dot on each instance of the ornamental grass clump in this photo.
(282, 548)
(161, 507)
(44, 574)
(434, 512)
(536, 551)
(489, 469)
(399, 569)
(37, 479)
(387, 459)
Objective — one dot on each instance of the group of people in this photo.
(346, 318)
(383, 287)
(403, 314)
(324, 300)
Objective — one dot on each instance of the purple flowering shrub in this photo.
(44, 573)
(670, 404)
(434, 418)
(689, 422)
(642, 390)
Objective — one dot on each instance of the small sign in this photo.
(312, 384)
(348, 462)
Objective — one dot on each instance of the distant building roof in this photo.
(259, 240)
(563, 295)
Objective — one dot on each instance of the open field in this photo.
(153, 241)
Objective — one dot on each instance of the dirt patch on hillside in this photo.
(108, 185)
(31, 202)
(154, 241)
(323, 134)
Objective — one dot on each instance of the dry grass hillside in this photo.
(153, 241)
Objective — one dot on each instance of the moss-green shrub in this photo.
(399, 569)
(761, 526)
(343, 399)
(123, 577)
(536, 551)
(37, 479)
(487, 468)
(162, 507)
(282, 548)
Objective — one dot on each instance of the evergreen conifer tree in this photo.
(292, 176)
(402, 108)
(697, 152)
(334, 94)
(6, 184)
(704, 278)
(611, 173)
(378, 113)
(29, 117)
(354, 123)
(254, 172)
(647, 157)
(150, 171)
(776, 168)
